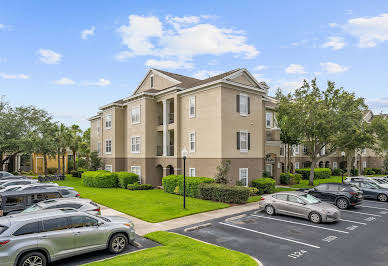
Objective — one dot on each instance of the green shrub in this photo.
(126, 178)
(264, 185)
(319, 173)
(174, 184)
(337, 171)
(285, 178)
(253, 191)
(305, 172)
(74, 173)
(100, 178)
(223, 193)
(354, 172)
(137, 186)
(78, 172)
(369, 171)
(378, 171)
(52, 170)
(296, 178)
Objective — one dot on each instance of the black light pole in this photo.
(184, 181)
(342, 170)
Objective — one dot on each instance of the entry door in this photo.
(268, 169)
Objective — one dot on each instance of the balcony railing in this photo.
(170, 150)
(170, 119)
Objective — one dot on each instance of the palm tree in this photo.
(64, 142)
(75, 142)
(85, 145)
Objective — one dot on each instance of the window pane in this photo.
(31, 228)
(55, 224)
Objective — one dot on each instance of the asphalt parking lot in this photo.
(140, 243)
(359, 238)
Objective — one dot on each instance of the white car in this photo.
(378, 181)
(28, 187)
(14, 182)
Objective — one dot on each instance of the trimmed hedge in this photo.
(223, 193)
(296, 178)
(372, 171)
(285, 178)
(100, 178)
(337, 171)
(126, 178)
(78, 173)
(137, 186)
(319, 173)
(264, 185)
(174, 184)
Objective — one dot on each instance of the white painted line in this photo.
(362, 213)
(265, 234)
(385, 209)
(352, 221)
(291, 222)
(376, 202)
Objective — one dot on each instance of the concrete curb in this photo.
(197, 227)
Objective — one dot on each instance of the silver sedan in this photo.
(299, 204)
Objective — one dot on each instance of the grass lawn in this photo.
(179, 250)
(148, 205)
(280, 189)
(254, 199)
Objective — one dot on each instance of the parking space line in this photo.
(385, 209)
(362, 213)
(265, 234)
(352, 221)
(291, 222)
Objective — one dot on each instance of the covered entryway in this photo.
(159, 175)
(170, 170)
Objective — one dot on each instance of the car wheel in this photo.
(270, 210)
(117, 243)
(32, 259)
(342, 203)
(382, 197)
(315, 217)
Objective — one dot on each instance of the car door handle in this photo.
(77, 233)
(43, 237)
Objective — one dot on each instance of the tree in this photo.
(75, 142)
(222, 172)
(85, 146)
(380, 129)
(317, 117)
(95, 161)
(63, 141)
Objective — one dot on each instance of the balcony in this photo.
(170, 119)
(170, 150)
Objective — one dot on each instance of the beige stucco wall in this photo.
(95, 137)
(160, 83)
(243, 79)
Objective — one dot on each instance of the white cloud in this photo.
(13, 76)
(333, 67)
(369, 30)
(260, 78)
(333, 25)
(289, 85)
(64, 81)
(4, 27)
(49, 56)
(180, 39)
(378, 102)
(295, 69)
(334, 42)
(170, 64)
(259, 68)
(87, 32)
(204, 74)
(102, 82)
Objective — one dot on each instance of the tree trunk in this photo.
(74, 159)
(59, 161)
(349, 157)
(285, 158)
(63, 163)
(288, 158)
(45, 163)
(311, 178)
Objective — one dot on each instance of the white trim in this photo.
(105, 152)
(240, 72)
(152, 81)
(195, 141)
(156, 72)
(132, 138)
(240, 171)
(106, 120)
(245, 132)
(192, 169)
(192, 100)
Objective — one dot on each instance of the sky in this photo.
(71, 57)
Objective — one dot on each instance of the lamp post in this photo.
(184, 156)
(343, 160)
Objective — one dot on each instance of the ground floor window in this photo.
(296, 165)
(243, 176)
(364, 164)
(108, 167)
(192, 172)
(136, 170)
(334, 165)
(268, 169)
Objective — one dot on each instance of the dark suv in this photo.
(341, 195)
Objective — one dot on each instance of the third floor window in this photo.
(243, 141)
(108, 121)
(135, 114)
(135, 144)
(192, 106)
(243, 104)
(269, 120)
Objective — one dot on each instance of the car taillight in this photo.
(262, 198)
(353, 193)
(2, 243)
(98, 210)
(78, 195)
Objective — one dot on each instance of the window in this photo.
(136, 170)
(281, 197)
(99, 148)
(305, 151)
(321, 187)
(323, 151)
(98, 129)
(135, 115)
(192, 107)
(31, 228)
(14, 200)
(82, 221)
(364, 164)
(243, 141)
(108, 167)
(55, 224)
(296, 165)
(364, 151)
(152, 81)
(282, 148)
(268, 169)
(333, 187)
(243, 176)
(108, 121)
(135, 144)
(108, 146)
(192, 172)
(192, 141)
(294, 199)
(295, 149)
(269, 120)
(334, 165)
(243, 104)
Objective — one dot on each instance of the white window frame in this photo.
(334, 165)
(364, 151)
(192, 172)
(108, 167)
(192, 105)
(192, 140)
(282, 148)
(136, 170)
(152, 81)
(241, 173)
(363, 164)
(99, 148)
(136, 108)
(106, 141)
(108, 121)
(269, 117)
(243, 112)
(322, 151)
(295, 148)
(246, 134)
(135, 141)
(296, 165)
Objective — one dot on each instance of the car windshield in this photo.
(310, 199)
(2, 228)
(32, 208)
(373, 185)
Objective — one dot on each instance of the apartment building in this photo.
(228, 116)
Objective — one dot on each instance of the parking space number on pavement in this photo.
(297, 254)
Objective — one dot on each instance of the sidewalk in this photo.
(143, 227)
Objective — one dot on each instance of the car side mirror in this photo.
(99, 223)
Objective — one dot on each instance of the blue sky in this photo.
(70, 57)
